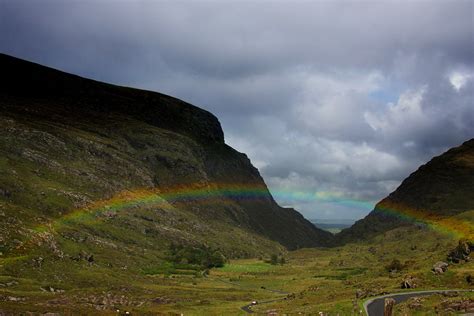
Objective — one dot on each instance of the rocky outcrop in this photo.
(461, 252)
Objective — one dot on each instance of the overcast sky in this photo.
(335, 102)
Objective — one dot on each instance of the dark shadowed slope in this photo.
(442, 188)
(67, 142)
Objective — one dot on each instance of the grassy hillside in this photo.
(98, 183)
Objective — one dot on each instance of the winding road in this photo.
(375, 306)
(372, 307)
(248, 308)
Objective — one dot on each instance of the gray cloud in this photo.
(337, 100)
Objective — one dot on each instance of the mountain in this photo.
(91, 167)
(438, 192)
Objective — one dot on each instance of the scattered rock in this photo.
(46, 238)
(107, 301)
(51, 289)
(463, 305)
(272, 312)
(8, 284)
(38, 262)
(440, 267)
(162, 300)
(415, 303)
(11, 298)
(408, 283)
(361, 293)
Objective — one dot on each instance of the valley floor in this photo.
(333, 281)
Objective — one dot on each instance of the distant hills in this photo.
(438, 193)
(86, 162)
(332, 225)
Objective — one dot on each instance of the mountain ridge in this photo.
(90, 140)
(441, 188)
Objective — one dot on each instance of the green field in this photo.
(316, 280)
(246, 266)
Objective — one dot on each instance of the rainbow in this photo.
(454, 226)
(224, 193)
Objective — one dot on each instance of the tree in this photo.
(202, 256)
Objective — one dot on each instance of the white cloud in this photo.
(459, 79)
(408, 110)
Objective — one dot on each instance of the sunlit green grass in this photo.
(246, 266)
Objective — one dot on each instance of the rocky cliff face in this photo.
(67, 142)
(444, 187)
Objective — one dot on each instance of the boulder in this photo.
(361, 293)
(408, 283)
(388, 306)
(440, 267)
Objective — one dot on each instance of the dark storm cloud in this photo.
(341, 99)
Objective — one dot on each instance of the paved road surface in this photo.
(374, 307)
